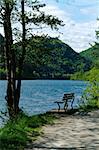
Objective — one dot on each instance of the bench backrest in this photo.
(68, 96)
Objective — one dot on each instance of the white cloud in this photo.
(56, 11)
(90, 11)
(80, 35)
(77, 35)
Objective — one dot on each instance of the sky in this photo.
(80, 19)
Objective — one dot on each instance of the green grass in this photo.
(18, 132)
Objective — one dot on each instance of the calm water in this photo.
(38, 96)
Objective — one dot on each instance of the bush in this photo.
(90, 97)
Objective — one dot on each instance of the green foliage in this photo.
(92, 54)
(90, 97)
(93, 75)
(78, 76)
(17, 132)
(90, 75)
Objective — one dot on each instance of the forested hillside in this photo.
(51, 58)
(48, 58)
(92, 53)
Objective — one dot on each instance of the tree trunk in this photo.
(10, 61)
(13, 88)
(21, 61)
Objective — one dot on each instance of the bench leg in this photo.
(72, 103)
(65, 106)
(58, 106)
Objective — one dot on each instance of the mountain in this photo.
(49, 58)
(92, 53)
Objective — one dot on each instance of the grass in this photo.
(18, 132)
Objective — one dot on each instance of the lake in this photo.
(38, 96)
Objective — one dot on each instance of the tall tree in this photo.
(35, 16)
(6, 9)
(21, 60)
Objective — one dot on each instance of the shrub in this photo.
(90, 97)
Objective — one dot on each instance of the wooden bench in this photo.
(67, 97)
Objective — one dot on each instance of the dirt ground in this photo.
(70, 132)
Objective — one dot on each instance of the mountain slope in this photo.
(92, 53)
(51, 58)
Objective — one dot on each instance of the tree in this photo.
(6, 9)
(37, 17)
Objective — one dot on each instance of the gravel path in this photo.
(78, 132)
